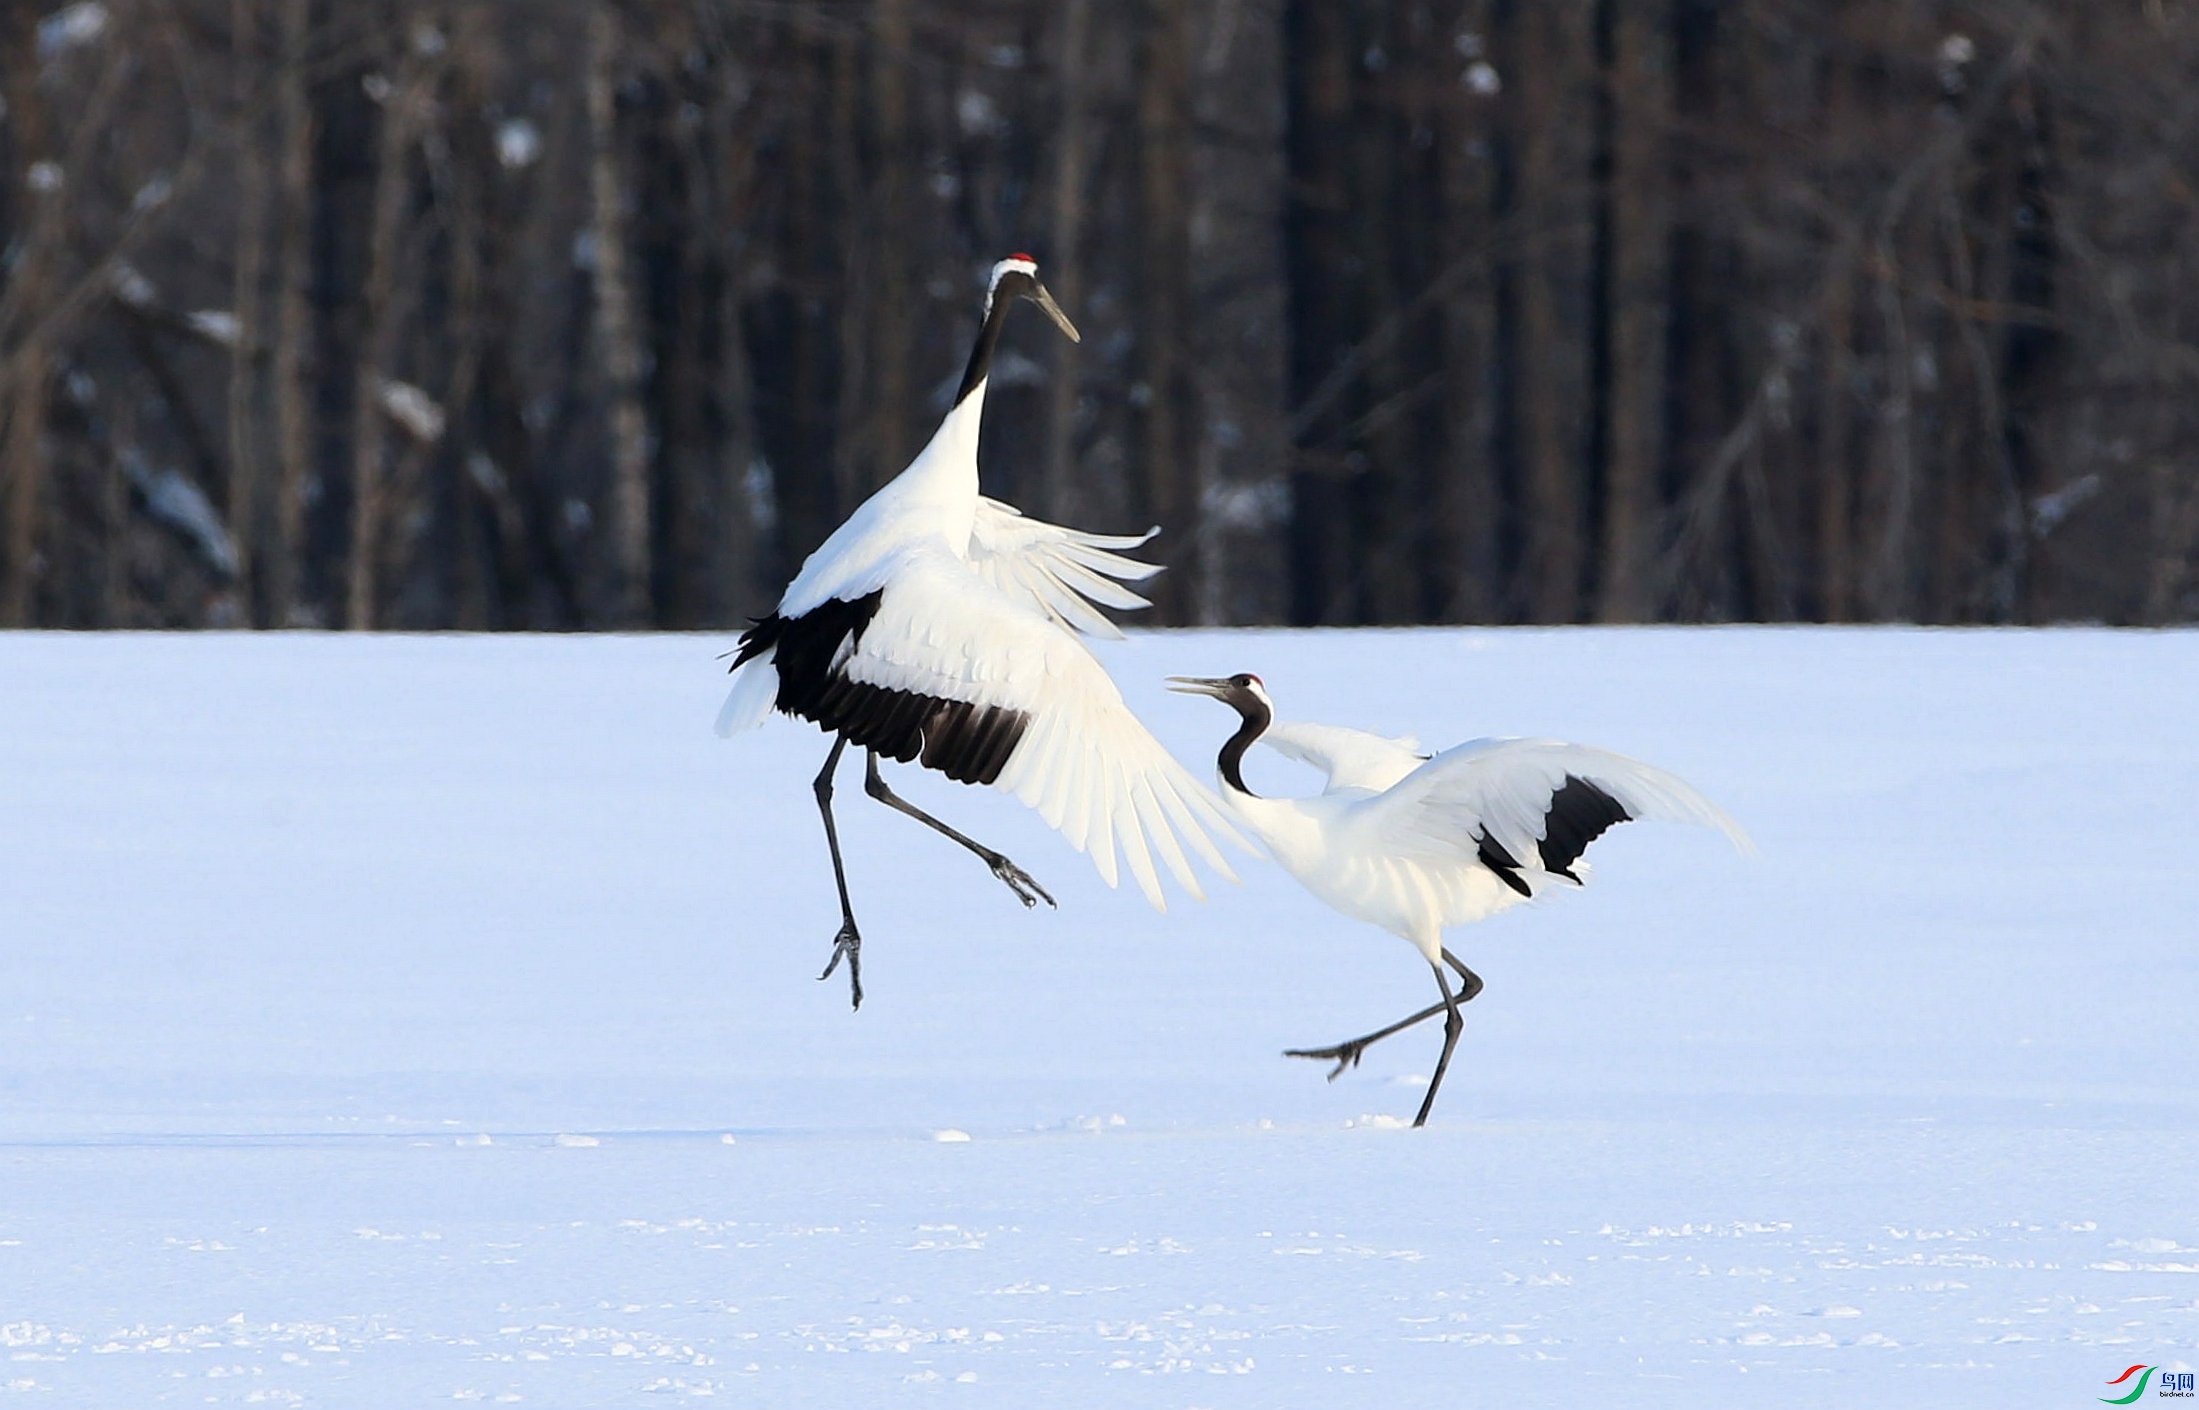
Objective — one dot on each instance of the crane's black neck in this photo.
(1257, 718)
(1010, 287)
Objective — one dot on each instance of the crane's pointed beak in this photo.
(1045, 301)
(1199, 685)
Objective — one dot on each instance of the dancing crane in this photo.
(939, 626)
(1415, 843)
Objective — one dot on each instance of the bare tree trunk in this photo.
(1633, 238)
(1064, 269)
(462, 340)
(1550, 499)
(854, 458)
(734, 575)
(618, 327)
(733, 564)
(697, 493)
(382, 323)
(1388, 488)
(1317, 218)
(39, 199)
(477, 494)
(800, 424)
(1835, 475)
(1702, 412)
(1165, 406)
(294, 319)
(2172, 492)
(114, 521)
(247, 362)
(891, 219)
(27, 472)
(1894, 454)
(1468, 503)
(1237, 290)
(1975, 462)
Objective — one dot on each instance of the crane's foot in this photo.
(1348, 1054)
(1016, 879)
(1343, 1055)
(848, 945)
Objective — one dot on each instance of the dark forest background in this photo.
(566, 314)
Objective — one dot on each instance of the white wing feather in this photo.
(1501, 788)
(1409, 859)
(755, 690)
(1351, 758)
(1063, 572)
(1086, 764)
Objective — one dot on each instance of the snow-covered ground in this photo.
(406, 1019)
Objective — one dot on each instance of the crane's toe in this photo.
(1343, 1055)
(1029, 892)
(848, 945)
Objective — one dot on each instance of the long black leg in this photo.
(1469, 983)
(1348, 1054)
(1453, 1025)
(848, 944)
(1018, 880)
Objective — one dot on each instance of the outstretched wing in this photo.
(1064, 572)
(1352, 758)
(943, 667)
(1527, 808)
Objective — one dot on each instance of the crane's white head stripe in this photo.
(1023, 264)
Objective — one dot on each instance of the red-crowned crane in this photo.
(1415, 843)
(940, 626)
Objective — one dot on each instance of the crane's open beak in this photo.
(1044, 300)
(1199, 685)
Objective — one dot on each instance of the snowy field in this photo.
(399, 1020)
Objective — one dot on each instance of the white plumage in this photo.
(1086, 763)
(1417, 844)
(1407, 855)
(1352, 758)
(941, 626)
(1064, 571)
(1061, 572)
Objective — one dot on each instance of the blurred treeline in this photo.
(600, 313)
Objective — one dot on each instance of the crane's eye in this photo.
(1242, 682)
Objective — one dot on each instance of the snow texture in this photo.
(397, 1020)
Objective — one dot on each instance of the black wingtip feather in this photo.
(1503, 863)
(1578, 814)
